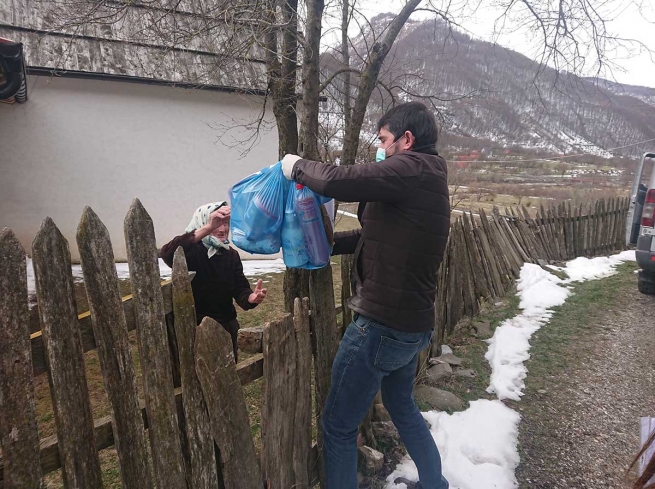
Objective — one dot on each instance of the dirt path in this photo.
(591, 376)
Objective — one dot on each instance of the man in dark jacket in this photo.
(405, 217)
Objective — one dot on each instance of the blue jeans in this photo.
(372, 356)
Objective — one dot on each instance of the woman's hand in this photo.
(258, 296)
(217, 217)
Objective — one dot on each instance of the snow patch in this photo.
(479, 446)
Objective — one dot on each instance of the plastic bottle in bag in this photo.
(294, 250)
(311, 224)
(261, 220)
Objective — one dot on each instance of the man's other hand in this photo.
(288, 163)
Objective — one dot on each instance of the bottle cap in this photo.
(299, 186)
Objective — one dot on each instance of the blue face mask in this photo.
(381, 153)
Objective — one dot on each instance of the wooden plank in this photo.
(504, 270)
(110, 332)
(442, 294)
(490, 259)
(486, 267)
(200, 457)
(228, 415)
(515, 234)
(455, 302)
(613, 207)
(552, 222)
(539, 234)
(570, 237)
(468, 284)
(66, 374)
(593, 228)
(479, 279)
(279, 402)
(302, 438)
(249, 340)
(153, 348)
(561, 230)
(532, 229)
(19, 436)
(514, 248)
(548, 235)
(324, 342)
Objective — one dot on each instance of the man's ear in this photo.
(408, 142)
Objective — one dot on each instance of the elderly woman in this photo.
(219, 272)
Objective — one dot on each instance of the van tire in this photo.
(646, 283)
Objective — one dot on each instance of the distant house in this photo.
(106, 119)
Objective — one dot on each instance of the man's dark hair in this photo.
(415, 118)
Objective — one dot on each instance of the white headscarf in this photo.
(200, 219)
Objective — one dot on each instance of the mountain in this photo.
(487, 95)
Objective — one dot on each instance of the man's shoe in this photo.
(408, 483)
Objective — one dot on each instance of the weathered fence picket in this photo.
(19, 436)
(66, 374)
(302, 438)
(226, 406)
(200, 458)
(153, 348)
(110, 331)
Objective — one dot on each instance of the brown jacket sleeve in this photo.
(345, 242)
(242, 288)
(167, 252)
(391, 180)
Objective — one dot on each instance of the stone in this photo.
(466, 372)
(444, 349)
(369, 461)
(380, 413)
(450, 359)
(542, 391)
(437, 398)
(483, 330)
(385, 432)
(542, 262)
(438, 372)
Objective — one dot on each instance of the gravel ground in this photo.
(580, 424)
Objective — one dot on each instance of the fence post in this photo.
(228, 416)
(302, 439)
(68, 387)
(279, 402)
(325, 342)
(19, 436)
(110, 331)
(153, 348)
(200, 458)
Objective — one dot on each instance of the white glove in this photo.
(288, 163)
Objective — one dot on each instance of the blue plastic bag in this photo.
(304, 242)
(258, 210)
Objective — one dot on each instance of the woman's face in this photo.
(222, 231)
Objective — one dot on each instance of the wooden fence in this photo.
(485, 254)
(193, 412)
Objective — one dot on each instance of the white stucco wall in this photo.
(100, 143)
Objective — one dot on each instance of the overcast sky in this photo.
(625, 20)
